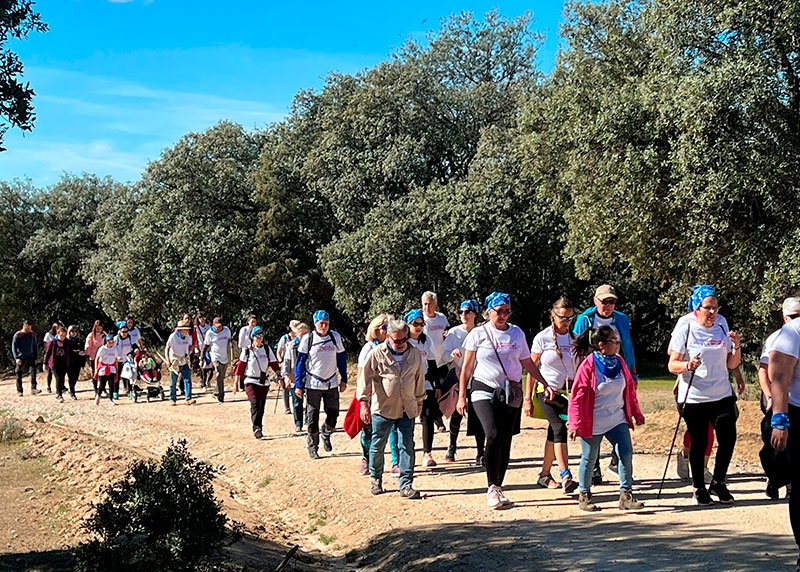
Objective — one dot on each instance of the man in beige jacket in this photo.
(391, 390)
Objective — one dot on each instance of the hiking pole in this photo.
(277, 394)
(675, 434)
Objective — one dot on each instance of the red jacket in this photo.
(581, 401)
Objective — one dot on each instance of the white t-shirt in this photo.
(217, 343)
(455, 341)
(555, 370)
(711, 382)
(321, 362)
(257, 360)
(283, 342)
(179, 345)
(134, 335)
(108, 356)
(609, 402)
(434, 331)
(364, 353)
(124, 346)
(511, 346)
(200, 334)
(788, 342)
(244, 337)
(768, 347)
(426, 351)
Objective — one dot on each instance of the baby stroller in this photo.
(148, 379)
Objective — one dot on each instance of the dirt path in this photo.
(325, 506)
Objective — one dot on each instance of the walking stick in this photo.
(675, 434)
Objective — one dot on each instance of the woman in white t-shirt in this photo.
(494, 356)
(553, 350)
(453, 346)
(257, 359)
(433, 384)
(701, 351)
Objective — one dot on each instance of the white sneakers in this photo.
(495, 498)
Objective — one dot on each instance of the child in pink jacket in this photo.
(603, 403)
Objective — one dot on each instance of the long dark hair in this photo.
(589, 340)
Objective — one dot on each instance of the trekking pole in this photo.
(277, 394)
(675, 434)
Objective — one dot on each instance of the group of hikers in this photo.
(581, 377)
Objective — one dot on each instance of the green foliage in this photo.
(17, 20)
(10, 428)
(159, 516)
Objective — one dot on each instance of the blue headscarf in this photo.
(495, 299)
(700, 293)
(257, 332)
(469, 305)
(121, 324)
(321, 315)
(412, 315)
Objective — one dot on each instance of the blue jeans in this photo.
(366, 443)
(381, 429)
(620, 438)
(186, 374)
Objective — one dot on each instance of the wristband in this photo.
(780, 421)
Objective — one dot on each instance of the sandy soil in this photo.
(325, 506)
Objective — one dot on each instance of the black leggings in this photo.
(430, 413)
(101, 384)
(722, 415)
(455, 428)
(557, 430)
(794, 459)
(497, 420)
(72, 378)
(61, 376)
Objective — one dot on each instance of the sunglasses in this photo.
(418, 324)
(464, 311)
(609, 302)
(502, 312)
(711, 309)
(399, 342)
(565, 318)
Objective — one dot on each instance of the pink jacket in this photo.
(93, 343)
(581, 401)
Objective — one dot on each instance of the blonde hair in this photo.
(293, 325)
(375, 324)
(302, 327)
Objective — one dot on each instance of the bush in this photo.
(162, 515)
(10, 429)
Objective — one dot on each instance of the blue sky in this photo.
(119, 81)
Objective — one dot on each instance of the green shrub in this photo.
(10, 429)
(162, 515)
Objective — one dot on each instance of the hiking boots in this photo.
(450, 456)
(585, 502)
(376, 487)
(35, 391)
(720, 491)
(363, 467)
(628, 502)
(326, 442)
(409, 492)
(258, 434)
(701, 497)
(313, 454)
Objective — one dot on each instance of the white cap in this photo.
(791, 307)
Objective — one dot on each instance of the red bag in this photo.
(352, 419)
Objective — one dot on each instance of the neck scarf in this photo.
(609, 366)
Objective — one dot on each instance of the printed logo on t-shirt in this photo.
(506, 346)
(435, 327)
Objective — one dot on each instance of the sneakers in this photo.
(326, 442)
(409, 492)
(191, 401)
(480, 461)
(73, 397)
(568, 485)
(585, 502)
(313, 454)
(427, 461)
(35, 391)
(173, 403)
(258, 434)
(628, 502)
(60, 398)
(682, 466)
(287, 412)
(450, 456)
(772, 491)
(395, 472)
(720, 491)
(546, 481)
(20, 394)
(363, 468)
(296, 429)
(701, 497)
(376, 487)
(97, 400)
(495, 499)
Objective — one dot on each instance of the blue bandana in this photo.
(412, 315)
(257, 332)
(609, 366)
(495, 299)
(121, 324)
(469, 305)
(321, 315)
(700, 293)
